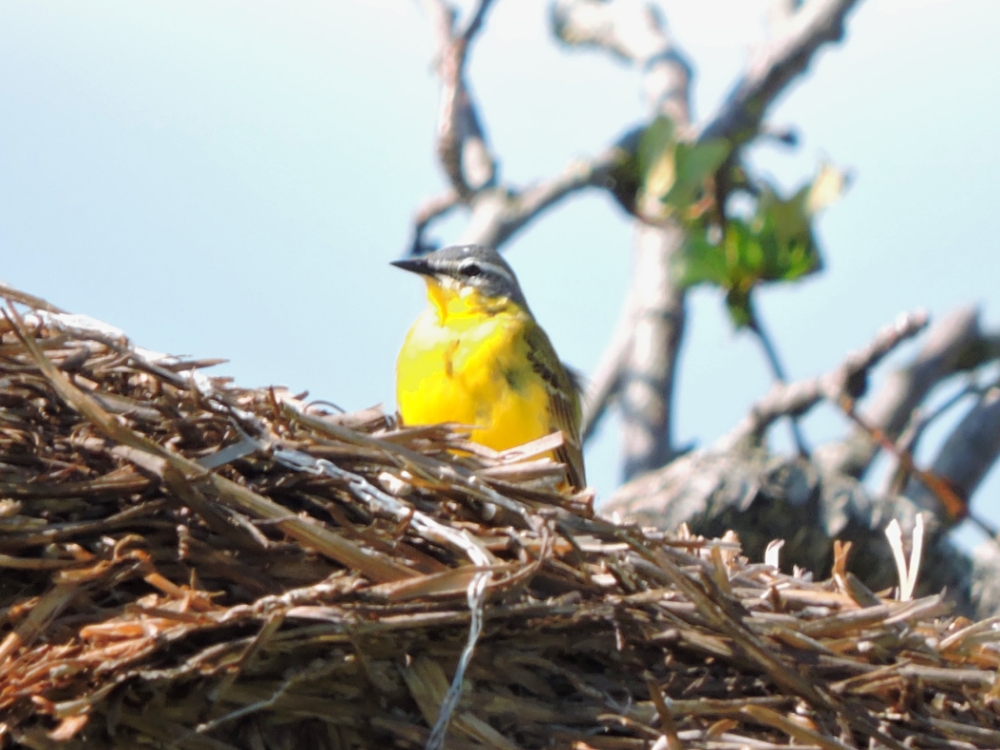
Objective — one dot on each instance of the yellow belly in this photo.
(473, 371)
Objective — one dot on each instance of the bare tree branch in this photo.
(967, 454)
(476, 21)
(442, 18)
(649, 374)
(630, 31)
(737, 485)
(578, 174)
(779, 374)
(428, 211)
(498, 213)
(635, 33)
(904, 390)
(604, 381)
(639, 364)
(783, 134)
(895, 480)
(461, 142)
(848, 379)
(775, 65)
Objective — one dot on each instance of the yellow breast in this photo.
(464, 362)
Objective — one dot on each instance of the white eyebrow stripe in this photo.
(493, 268)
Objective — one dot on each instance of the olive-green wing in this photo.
(564, 402)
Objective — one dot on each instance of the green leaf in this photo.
(700, 262)
(776, 244)
(693, 164)
(738, 307)
(656, 157)
(625, 183)
(784, 230)
(674, 172)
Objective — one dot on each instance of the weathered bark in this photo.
(648, 375)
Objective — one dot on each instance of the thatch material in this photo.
(762, 496)
(194, 565)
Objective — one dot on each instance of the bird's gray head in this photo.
(468, 266)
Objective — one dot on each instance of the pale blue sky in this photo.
(231, 179)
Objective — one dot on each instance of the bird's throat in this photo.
(453, 301)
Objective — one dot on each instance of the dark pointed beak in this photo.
(416, 265)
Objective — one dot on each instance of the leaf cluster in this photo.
(694, 183)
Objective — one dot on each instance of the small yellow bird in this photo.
(477, 356)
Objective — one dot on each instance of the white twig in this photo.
(907, 570)
(772, 554)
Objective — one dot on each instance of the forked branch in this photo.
(498, 210)
(891, 408)
(849, 379)
(805, 27)
(461, 141)
(638, 34)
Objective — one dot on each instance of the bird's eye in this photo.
(470, 270)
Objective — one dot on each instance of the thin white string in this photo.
(476, 594)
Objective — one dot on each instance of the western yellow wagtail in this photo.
(477, 356)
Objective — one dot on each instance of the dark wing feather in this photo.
(564, 402)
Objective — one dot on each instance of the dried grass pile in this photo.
(193, 565)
